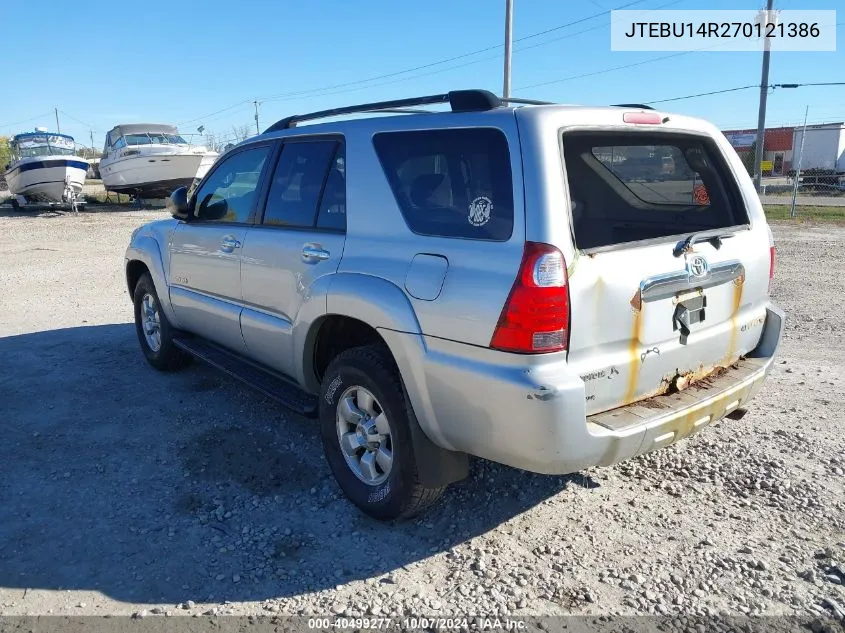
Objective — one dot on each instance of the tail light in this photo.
(536, 315)
(771, 260)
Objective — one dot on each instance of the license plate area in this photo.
(690, 308)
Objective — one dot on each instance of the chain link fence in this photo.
(811, 173)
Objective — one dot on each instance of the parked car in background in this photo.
(492, 281)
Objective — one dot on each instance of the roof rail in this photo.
(641, 106)
(525, 101)
(459, 101)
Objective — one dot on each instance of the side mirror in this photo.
(177, 203)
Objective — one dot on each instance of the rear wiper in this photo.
(704, 236)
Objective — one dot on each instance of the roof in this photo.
(26, 135)
(143, 128)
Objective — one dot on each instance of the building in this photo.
(823, 149)
(777, 148)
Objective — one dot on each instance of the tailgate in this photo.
(649, 313)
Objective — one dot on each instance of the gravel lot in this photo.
(128, 491)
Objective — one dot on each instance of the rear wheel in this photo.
(155, 334)
(366, 435)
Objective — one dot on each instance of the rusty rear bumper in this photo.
(657, 422)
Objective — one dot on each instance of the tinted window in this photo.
(332, 213)
(454, 183)
(297, 183)
(627, 187)
(229, 192)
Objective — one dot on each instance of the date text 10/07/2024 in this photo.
(418, 623)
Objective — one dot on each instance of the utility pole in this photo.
(92, 142)
(506, 89)
(764, 94)
(58, 127)
(257, 130)
(798, 166)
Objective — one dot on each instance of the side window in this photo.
(121, 142)
(332, 215)
(229, 192)
(451, 183)
(298, 183)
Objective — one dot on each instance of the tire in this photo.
(164, 355)
(395, 493)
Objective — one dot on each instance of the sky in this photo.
(204, 63)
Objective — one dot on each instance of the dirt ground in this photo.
(129, 491)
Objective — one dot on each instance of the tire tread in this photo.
(420, 497)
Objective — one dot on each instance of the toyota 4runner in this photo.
(550, 287)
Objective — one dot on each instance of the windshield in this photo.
(30, 146)
(154, 138)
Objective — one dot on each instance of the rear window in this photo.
(451, 183)
(627, 187)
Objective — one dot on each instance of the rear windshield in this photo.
(631, 186)
(451, 183)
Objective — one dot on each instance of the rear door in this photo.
(651, 314)
(299, 239)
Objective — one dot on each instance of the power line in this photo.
(703, 94)
(465, 64)
(315, 91)
(14, 123)
(73, 118)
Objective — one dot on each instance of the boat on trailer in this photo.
(45, 169)
(147, 160)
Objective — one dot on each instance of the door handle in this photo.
(229, 244)
(313, 252)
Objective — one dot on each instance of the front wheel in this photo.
(364, 423)
(155, 334)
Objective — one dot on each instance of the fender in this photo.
(375, 301)
(146, 249)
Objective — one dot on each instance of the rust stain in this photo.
(634, 362)
(738, 285)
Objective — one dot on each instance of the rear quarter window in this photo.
(633, 186)
(452, 182)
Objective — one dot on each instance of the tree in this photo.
(5, 152)
(241, 133)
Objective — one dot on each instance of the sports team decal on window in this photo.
(700, 194)
(480, 210)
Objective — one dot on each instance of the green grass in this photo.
(819, 214)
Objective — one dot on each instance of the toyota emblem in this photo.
(698, 266)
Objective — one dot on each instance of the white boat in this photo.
(45, 167)
(149, 161)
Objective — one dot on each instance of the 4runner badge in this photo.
(697, 266)
(480, 210)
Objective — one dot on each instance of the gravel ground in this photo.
(128, 491)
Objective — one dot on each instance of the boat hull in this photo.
(152, 176)
(46, 178)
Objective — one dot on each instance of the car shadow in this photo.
(153, 487)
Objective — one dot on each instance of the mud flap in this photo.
(436, 466)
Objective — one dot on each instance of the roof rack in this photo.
(458, 100)
(525, 101)
(641, 106)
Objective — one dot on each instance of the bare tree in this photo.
(212, 142)
(241, 132)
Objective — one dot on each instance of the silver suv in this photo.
(550, 287)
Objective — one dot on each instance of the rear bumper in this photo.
(534, 416)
